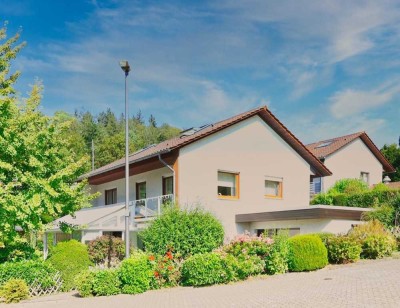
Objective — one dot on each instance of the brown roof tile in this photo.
(178, 142)
(324, 148)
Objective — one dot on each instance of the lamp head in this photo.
(125, 66)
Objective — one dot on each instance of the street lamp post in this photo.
(126, 68)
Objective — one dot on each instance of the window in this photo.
(273, 187)
(315, 186)
(111, 196)
(228, 185)
(273, 232)
(364, 176)
(113, 233)
(167, 185)
(140, 190)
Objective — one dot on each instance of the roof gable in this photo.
(181, 141)
(325, 148)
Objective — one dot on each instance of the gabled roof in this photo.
(325, 148)
(181, 141)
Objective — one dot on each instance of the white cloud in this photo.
(349, 102)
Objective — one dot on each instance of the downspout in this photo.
(173, 173)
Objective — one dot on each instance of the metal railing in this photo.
(148, 208)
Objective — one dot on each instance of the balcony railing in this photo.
(149, 208)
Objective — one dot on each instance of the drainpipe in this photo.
(173, 173)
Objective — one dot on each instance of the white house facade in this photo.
(352, 156)
(250, 171)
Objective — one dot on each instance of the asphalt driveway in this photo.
(364, 284)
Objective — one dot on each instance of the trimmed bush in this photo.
(136, 274)
(342, 249)
(28, 271)
(276, 262)
(14, 291)
(206, 269)
(307, 253)
(185, 232)
(106, 250)
(106, 282)
(69, 258)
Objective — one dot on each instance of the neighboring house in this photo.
(352, 156)
(250, 171)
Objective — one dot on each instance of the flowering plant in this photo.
(247, 244)
(167, 270)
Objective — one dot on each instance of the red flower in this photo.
(169, 255)
(156, 274)
(170, 268)
(152, 258)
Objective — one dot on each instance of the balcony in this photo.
(146, 209)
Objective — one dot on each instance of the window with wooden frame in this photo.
(140, 190)
(110, 196)
(168, 185)
(228, 185)
(273, 187)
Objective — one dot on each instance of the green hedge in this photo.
(307, 253)
(136, 274)
(70, 258)
(28, 271)
(184, 232)
(206, 269)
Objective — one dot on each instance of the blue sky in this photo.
(324, 68)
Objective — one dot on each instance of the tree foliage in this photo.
(37, 171)
(392, 154)
(108, 134)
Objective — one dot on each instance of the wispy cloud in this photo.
(350, 102)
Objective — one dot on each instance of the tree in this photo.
(392, 154)
(37, 171)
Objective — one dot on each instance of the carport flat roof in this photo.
(311, 212)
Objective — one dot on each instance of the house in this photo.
(249, 170)
(352, 156)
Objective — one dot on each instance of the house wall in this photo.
(254, 150)
(152, 178)
(350, 161)
(308, 225)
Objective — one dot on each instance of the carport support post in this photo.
(45, 246)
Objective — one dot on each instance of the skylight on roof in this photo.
(324, 144)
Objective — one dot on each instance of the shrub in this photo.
(342, 249)
(348, 186)
(307, 253)
(106, 250)
(70, 258)
(239, 268)
(166, 269)
(19, 250)
(187, 232)
(106, 282)
(245, 244)
(84, 283)
(378, 246)
(206, 269)
(136, 274)
(384, 213)
(374, 239)
(276, 262)
(14, 290)
(28, 271)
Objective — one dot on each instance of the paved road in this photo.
(365, 284)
